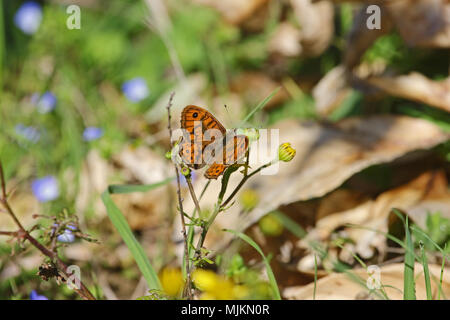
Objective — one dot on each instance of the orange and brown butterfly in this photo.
(197, 141)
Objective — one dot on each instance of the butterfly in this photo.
(206, 141)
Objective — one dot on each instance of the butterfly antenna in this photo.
(230, 120)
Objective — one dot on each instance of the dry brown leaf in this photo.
(338, 286)
(93, 181)
(416, 87)
(331, 90)
(142, 165)
(187, 92)
(286, 40)
(424, 23)
(374, 214)
(317, 25)
(253, 88)
(361, 38)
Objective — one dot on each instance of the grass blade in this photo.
(416, 229)
(290, 224)
(2, 44)
(315, 276)
(426, 272)
(273, 281)
(129, 188)
(259, 106)
(409, 282)
(442, 275)
(133, 245)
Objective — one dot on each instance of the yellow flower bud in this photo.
(249, 199)
(285, 152)
(185, 171)
(270, 225)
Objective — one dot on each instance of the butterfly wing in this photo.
(215, 170)
(235, 148)
(196, 121)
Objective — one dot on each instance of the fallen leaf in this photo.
(361, 38)
(374, 214)
(424, 23)
(331, 90)
(339, 286)
(416, 87)
(253, 88)
(317, 25)
(286, 40)
(187, 92)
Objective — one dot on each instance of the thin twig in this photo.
(82, 291)
(244, 179)
(192, 192)
(187, 290)
(9, 233)
(221, 205)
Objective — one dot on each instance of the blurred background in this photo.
(366, 108)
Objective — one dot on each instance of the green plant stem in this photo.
(220, 206)
(192, 192)
(244, 179)
(187, 292)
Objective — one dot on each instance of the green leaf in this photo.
(133, 245)
(129, 188)
(272, 280)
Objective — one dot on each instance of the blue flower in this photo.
(92, 133)
(35, 296)
(31, 134)
(28, 17)
(136, 89)
(46, 103)
(45, 189)
(66, 237)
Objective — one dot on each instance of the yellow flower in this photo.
(285, 152)
(171, 281)
(271, 225)
(207, 296)
(249, 199)
(205, 280)
(214, 287)
(240, 292)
